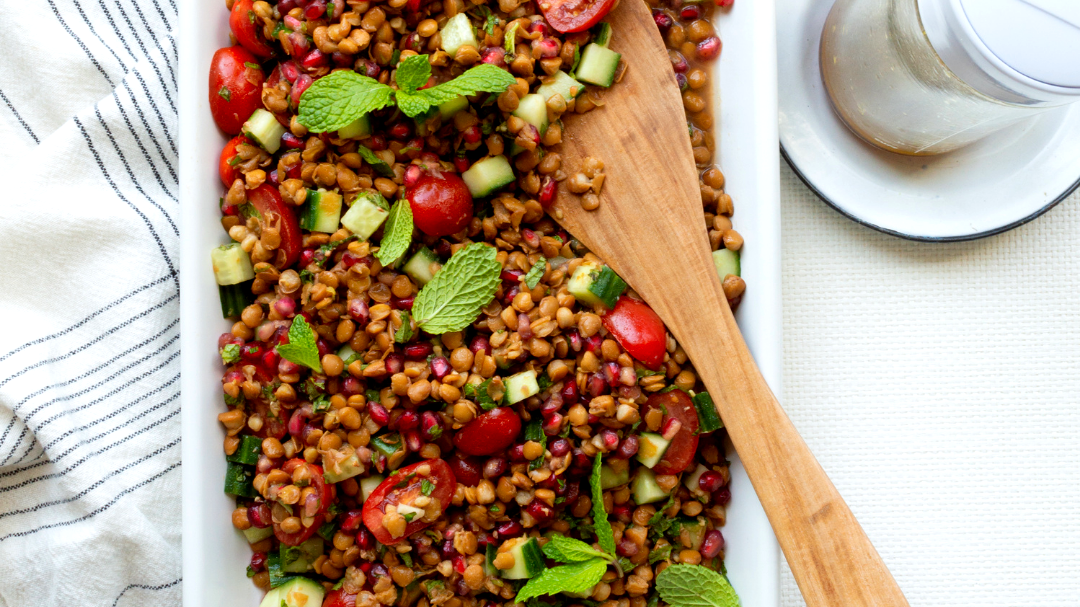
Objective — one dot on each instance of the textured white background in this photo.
(938, 385)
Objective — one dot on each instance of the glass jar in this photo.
(916, 77)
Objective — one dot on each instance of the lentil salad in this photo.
(435, 395)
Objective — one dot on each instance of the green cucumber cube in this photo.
(321, 212)
(585, 275)
(561, 83)
(358, 129)
(488, 175)
(521, 386)
(533, 109)
(255, 534)
(458, 32)
(651, 448)
(263, 128)
(421, 266)
(340, 464)
(248, 451)
(609, 478)
(726, 262)
(691, 480)
(455, 105)
(297, 592)
(369, 484)
(364, 216)
(528, 560)
(232, 265)
(645, 489)
(598, 65)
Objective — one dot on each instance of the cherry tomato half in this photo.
(248, 29)
(235, 87)
(325, 496)
(441, 203)
(267, 201)
(403, 488)
(680, 453)
(338, 598)
(226, 168)
(638, 330)
(489, 433)
(574, 15)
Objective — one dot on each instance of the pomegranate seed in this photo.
(626, 547)
(571, 492)
(292, 141)
(551, 405)
(540, 511)
(418, 351)
(447, 549)
(293, 23)
(547, 47)
(298, 419)
(324, 347)
(286, 5)
(306, 257)
(232, 210)
(315, 10)
(296, 171)
(722, 497)
(538, 27)
(560, 447)
(480, 343)
(581, 461)
(712, 544)
(511, 276)
(597, 386)
(274, 177)
(431, 425)
(440, 367)
(678, 62)
(413, 5)
(315, 58)
(259, 515)
(610, 439)
(553, 424)
(593, 344)
(251, 352)
(710, 481)
(300, 44)
(352, 521)
(531, 132)
(290, 70)
(379, 570)
(349, 260)
(377, 143)
(517, 453)
(402, 303)
(412, 175)
(416, 147)
(340, 59)
(413, 442)
(473, 134)
(682, 82)
(459, 563)
(364, 539)
(510, 294)
(351, 387)
(287, 367)
(671, 428)
(400, 131)
(612, 371)
(462, 164)
(530, 238)
(575, 340)
(378, 413)
(495, 467)
(270, 359)
(494, 55)
(709, 48)
(228, 338)
(409, 420)
(724, 3)
(524, 327)
(690, 12)
(663, 21)
(547, 191)
(395, 363)
(258, 561)
(627, 448)
(358, 311)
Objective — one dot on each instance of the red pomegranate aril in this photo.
(670, 428)
(413, 442)
(296, 171)
(378, 413)
(258, 561)
(575, 340)
(597, 386)
(612, 373)
(538, 27)
(315, 10)
(509, 529)
(517, 453)
(712, 544)
(548, 187)
(353, 521)
(473, 134)
(251, 352)
(553, 424)
(461, 164)
(524, 327)
(459, 563)
(287, 367)
(364, 539)
(480, 344)
(511, 276)
(286, 5)
(531, 132)
(610, 438)
(559, 447)
(228, 338)
(494, 55)
(340, 59)
(593, 343)
(724, 3)
(431, 425)
(709, 48)
(547, 47)
(530, 238)
(690, 12)
(418, 351)
(292, 141)
(379, 570)
(722, 497)
(412, 175)
(298, 420)
(682, 81)
(358, 311)
(415, 147)
(495, 467)
(306, 257)
(710, 481)
(300, 46)
(293, 23)
(626, 548)
(402, 303)
(447, 549)
(259, 515)
(551, 405)
(289, 69)
(377, 142)
(627, 448)
(323, 346)
(270, 359)
(510, 294)
(231, 209)
(400, 131)
(540, 511)
(395, 363)
(440, 367)
(569, 392)
(678, 62)
(663, 21)
(409, 420)
(315, 58)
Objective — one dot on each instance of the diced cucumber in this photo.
(238, 480)
(248, 451)
(489, 561)
(607, 287)
(299, 592)
(369, 484)
(598, 65)
(528, 560)
(272, 598)
(584, 276)
(708, 418)
(232, 265)
(645, 488)
(726, 262)
(358, 129)
(449, 108)
(458, 32)
(264, 129)
(533, 109)
(346, 354)
(694, 532)
(255, 534)
(340, 464)
(691, 480)
(364, 216)
(301, 558)
(321, 212)
(651, 448)
(521, 386)
(234, 298)
(387, 444)
(610, 479)
(603, 34)
(488, 175)
(419, 267)
(562, 84)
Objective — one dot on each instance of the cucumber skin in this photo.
(488, 175)
(238, 482)
(727, 262)
(598, 65)
(234, 298)
(708, 418)
(528, 561)
(248, 451)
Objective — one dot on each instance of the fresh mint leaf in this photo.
(660, 554)
(339, 98)
(608, 286)
(604, 535)
(376, 163)
(326, 532)
(413, 104)
(230, 353)
(237, 401)
(412, 73)
(406, 558)
(301, 348)
(484, 78)
(568, 550)
(455, 296)
(405, 331)
(481, 395)
(426, 487)
(397, 233)
(321, 404)
(510, 38)
(536, 273)
(695, 586)
(575, 577)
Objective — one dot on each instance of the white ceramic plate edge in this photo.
(214, 555)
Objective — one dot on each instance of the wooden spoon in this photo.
(649, 229)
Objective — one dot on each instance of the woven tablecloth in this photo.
(938, 384)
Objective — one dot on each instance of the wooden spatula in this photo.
(649, 229)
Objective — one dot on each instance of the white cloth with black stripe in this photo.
(89, 294)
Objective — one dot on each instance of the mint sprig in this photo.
(380, 165)
(604, 535)
(453, 299)
(484, 78)
(230, 354)
(301, 348)
(568, 550)
(397, 233)
(412, 73)
(695, 586)
(536, 273)
(575, 577)
(405, 331)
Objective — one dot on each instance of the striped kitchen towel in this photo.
(89, 302)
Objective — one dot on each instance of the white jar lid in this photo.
(1038, 38)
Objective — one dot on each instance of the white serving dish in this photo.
(214, 554)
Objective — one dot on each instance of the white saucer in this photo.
(986, 188)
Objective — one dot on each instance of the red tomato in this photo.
(267, 201)
(248, 29)
(338, 598)
(403, 487)
(235, 88)
(574, 15)
(638, 330)
(441, 203)
(325, 494)
(489, 433)
(226, 169)
(680, 453)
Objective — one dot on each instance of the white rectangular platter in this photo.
(214, 554)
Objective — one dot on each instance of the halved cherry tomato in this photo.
(226, 168)
(574, 15)
(267, 201)
(680, 453)
(325, 496)
(440, 202)
(248, 29)
(638, 330)
(338, 598)
(489, 433)
(403, 488)
(235, 87)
